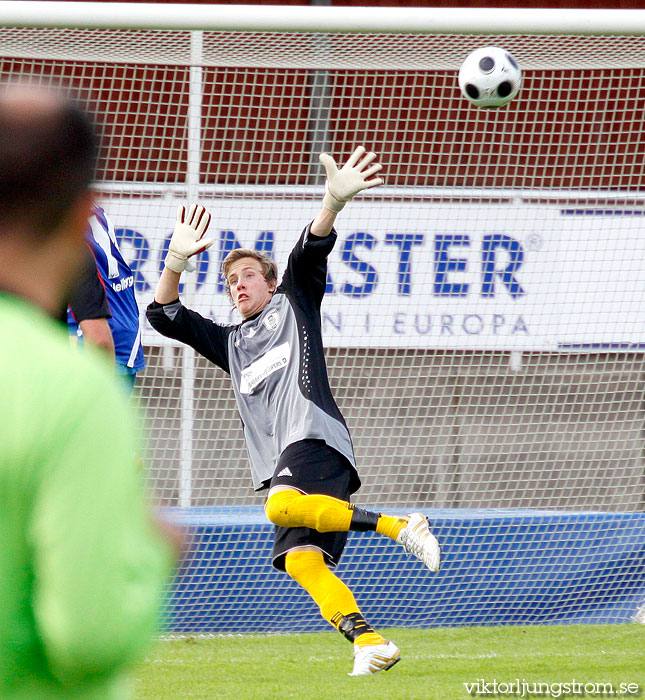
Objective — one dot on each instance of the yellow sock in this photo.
(332, 596)
(369, 639)
(390, 526)
(291, 508)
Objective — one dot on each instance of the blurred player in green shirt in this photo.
(82, 566)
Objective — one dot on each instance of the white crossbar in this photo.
(389, 20)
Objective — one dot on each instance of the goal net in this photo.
(484, 316)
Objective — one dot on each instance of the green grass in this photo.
(435, 664)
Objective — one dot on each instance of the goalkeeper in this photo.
(299, 445)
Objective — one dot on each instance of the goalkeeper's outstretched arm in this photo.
(187, 240)
(343, 185)
(188, 237)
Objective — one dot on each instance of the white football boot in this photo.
(374, 658)
(417, 539)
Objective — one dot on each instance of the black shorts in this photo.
(312, 467)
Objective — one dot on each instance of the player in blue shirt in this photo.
(118, 281)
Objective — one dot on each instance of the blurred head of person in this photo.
(48, 155)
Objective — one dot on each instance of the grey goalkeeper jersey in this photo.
(276, 361)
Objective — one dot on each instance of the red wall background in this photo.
(567, 130)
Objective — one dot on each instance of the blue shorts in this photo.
(127, 375)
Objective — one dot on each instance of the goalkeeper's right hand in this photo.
(187, 238)
(352, 178)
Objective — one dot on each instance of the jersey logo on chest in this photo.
(271, 320)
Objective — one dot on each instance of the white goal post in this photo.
(485, 309)
(283, 18)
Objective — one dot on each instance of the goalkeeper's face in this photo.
(249, 289)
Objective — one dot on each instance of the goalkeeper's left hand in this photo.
(352, 178)
(188, 237)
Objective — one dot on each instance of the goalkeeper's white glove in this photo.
(187, 238)
(346, 183)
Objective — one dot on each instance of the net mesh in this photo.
(484, 310)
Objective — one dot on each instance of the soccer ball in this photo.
(490, 77)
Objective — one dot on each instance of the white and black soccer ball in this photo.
(490, 77)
